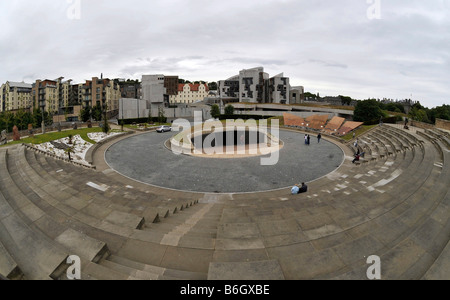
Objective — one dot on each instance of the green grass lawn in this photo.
(358, 132)
(52, 136)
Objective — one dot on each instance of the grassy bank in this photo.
(358, 132)
(52, 136)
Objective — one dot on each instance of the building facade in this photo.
(256, 86)
(157, 90)
(252, 85)
(171, 85)
(15, 96)
(45, 95)
(297, 95)
(101, 91)
(229, 88)
(190, 93)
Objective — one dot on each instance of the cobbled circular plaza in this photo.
(145, 213)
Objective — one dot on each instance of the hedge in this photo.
(142, 120)
(243, 117)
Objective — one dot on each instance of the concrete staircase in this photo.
(394, 204)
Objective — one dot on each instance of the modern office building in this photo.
(157, 90)
(15, 96)
(229, 88)
(297, 95)
(256, 86)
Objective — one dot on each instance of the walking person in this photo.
(319, 137)
(309, 139)
(306, 139)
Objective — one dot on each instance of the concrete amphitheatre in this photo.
(394, 204)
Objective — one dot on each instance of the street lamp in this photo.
(42, 106)
(105, 107)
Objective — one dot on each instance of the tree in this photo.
(215, 111)
(85, 114)
(212, 86)
(443, 112)
(106, 127)
(97, 112)
(161, 116)
(345, 100)
(37, 117)
(229, 110)
(395, 107)
(309, 95)
(419, 115)
(70, 150)
(367, 110)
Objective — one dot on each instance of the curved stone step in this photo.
(8, 267)
(256, 270)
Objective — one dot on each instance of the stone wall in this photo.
(443, 124)
(422, 125)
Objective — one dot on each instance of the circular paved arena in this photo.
(145, 158)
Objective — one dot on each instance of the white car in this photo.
(164, 128)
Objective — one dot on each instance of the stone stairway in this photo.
(394, 204)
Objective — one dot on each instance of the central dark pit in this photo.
(229, 139)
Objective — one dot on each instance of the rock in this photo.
(16, 134)
(3, 138)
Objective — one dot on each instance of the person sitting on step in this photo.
(297, 189)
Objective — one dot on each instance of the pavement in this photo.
(143, 157)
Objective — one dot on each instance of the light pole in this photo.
(105, 124)
(42, 106)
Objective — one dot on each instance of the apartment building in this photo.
(190, 93)
(45, 93)
(15, 96)
(100, 91)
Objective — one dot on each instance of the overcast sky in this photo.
(359, 48)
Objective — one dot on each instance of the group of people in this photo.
(308, 139)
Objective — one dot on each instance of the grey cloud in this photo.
(328, 64)
(328, 46)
